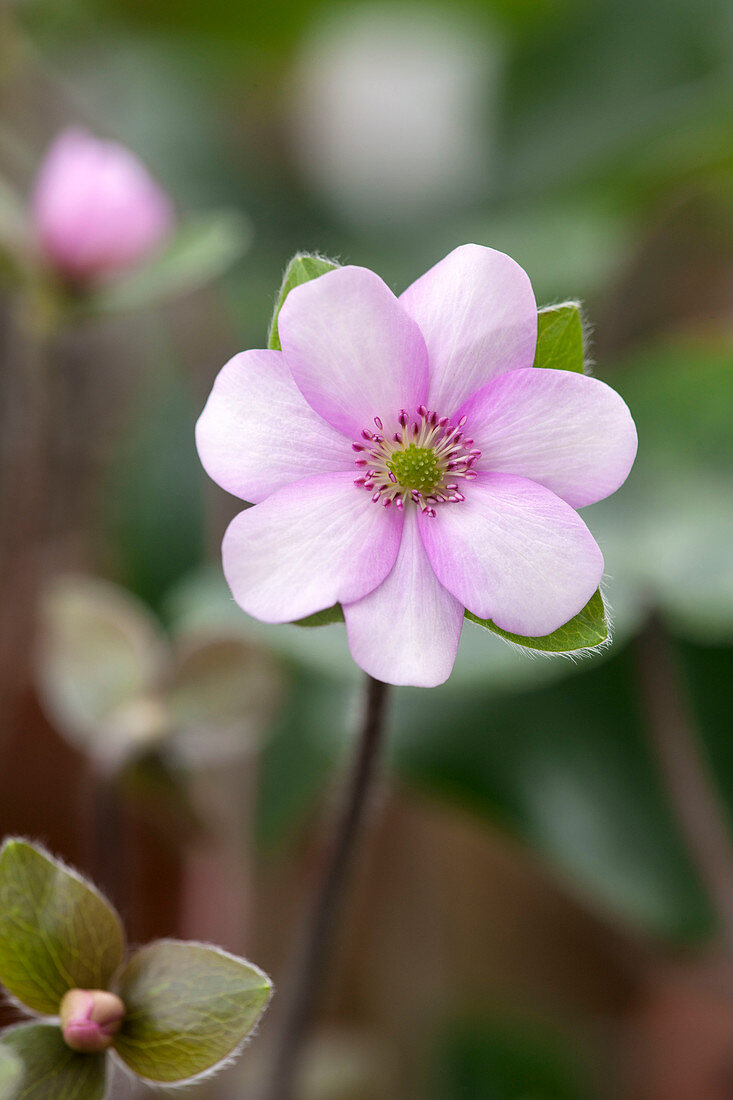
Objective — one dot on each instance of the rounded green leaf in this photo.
(56, 931)
(11, 1071)
(302, 268)
(50, 1069)
(560, 338)
(585, 630)
(188, 1009)
(100, 659)
(222, 697)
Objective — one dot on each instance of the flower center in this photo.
(420, 463)
(416, 468)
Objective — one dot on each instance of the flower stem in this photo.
(320, 926)
(700, 814)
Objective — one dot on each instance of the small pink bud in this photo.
(90, 1019)
(96, 208)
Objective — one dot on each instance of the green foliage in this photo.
(99, 650)
(51, 1071)
(560, 338)
(585, 630)
(189, 1007)
(56, 932)
(566, 767)
(203, 249)
(675, 555)
(303, 267)
(155, 490)
(113, 685)
(11, 1071)
(500, 1059)
(333, 614)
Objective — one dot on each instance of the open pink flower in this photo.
(406, 460)
(96, 208)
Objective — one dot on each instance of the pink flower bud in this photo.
(96, 207)
(90, 1019)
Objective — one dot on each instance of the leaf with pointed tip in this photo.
(303, 267)
(560, 338)
(203, 249)
(50, 1069)
(585, 630)
(11, 1071)
(56, 931)
(189, 1007)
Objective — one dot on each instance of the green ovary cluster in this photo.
(416, 468)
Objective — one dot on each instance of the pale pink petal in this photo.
(257, 432)
(352, 349)
(310, 545)
(515, 553)
(571, 433)
(407, 630)
(477, 312)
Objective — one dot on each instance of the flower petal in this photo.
(570, 433)
(308, 546)
(352, 349)
(513, 552)
(407, 630)
(477, 312)
(257, 432)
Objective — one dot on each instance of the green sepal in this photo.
(303, 267)
(56, 931)
(50, 1069)
(560, 338)
(585, 630)
(333, 614)
(188, 1008)
(11, 1072)
(203, 249)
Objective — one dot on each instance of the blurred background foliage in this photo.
(529, 924)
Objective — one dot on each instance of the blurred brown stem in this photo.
(699, 812)
(25, 416)
(320, 927)
(106, 834)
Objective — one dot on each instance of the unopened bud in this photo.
(90, 1019)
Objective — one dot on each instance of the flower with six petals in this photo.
(407, 460)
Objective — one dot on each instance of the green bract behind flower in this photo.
(417, 460)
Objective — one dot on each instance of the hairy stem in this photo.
(321, 923)
(700, 815)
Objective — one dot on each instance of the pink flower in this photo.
(96, 208)
(406, 460)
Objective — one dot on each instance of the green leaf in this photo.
(188, 1008)
(223, 695)
(56, 931)
(587, 629)
(51, 1071)
(11, 1071)
(560, 338)
(100, 657)
(333, 614)
(203, 249)
(303, 267)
